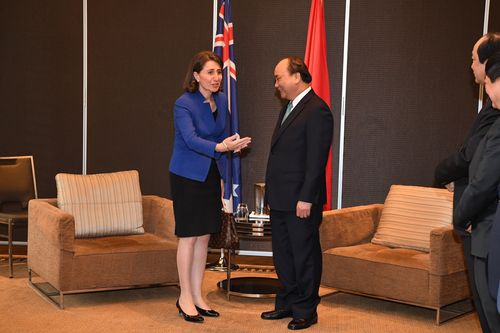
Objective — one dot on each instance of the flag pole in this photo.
(343, 105)
(485, 31)
(316, 59)
(221, 264)
(214, 22)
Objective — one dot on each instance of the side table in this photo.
(251, 286)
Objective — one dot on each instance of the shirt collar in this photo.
(297, 99)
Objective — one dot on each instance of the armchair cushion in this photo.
(103, 204)
(409, 215)
(349, 226)
(372, 269)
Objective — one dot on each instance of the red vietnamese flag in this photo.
(315, 60)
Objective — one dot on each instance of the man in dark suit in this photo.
(476, 210)
(453, 172)
(475, 213)
(492, 86)
(296, 192)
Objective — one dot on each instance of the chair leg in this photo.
(49, 296)
(454, 310)
(61, 301)
(9, 241)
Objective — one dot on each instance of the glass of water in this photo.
(241, 214)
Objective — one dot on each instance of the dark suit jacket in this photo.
(455, 168)
(479, 200)
(494, 256)
(298, 156)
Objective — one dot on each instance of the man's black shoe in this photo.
(300, 324)
(276, 314)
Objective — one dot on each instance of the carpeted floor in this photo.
(153, 310)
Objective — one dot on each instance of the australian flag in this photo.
(224, 48)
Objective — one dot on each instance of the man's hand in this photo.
(450, 187)
(303, 209)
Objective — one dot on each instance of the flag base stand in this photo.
(221, 264)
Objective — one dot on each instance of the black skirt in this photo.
(197, 205)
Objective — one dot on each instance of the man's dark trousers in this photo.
(296, 246)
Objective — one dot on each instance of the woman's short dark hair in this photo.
(196, 65)
(297, 65)
(493, 67)
(489, 46)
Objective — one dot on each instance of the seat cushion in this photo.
(102, 204)
(409, 215)
(121, 244)
(120, 261)
(374, 253)
(396, 273)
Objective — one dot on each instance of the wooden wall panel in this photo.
(411, 95)
(41, 86)
(138, 55)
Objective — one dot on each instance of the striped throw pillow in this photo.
(409, 215)
(102, 204)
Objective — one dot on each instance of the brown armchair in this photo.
(353, 264)
(72, 265)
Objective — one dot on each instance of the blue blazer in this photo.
(197, 134)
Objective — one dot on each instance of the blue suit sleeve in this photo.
(183, 119)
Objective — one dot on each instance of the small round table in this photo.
(257, 229)
(252, 286)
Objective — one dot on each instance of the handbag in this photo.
(227, 237)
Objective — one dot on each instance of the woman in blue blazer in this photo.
(197, 163)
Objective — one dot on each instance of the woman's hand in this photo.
(233, 143)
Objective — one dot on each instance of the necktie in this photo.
(289, 108)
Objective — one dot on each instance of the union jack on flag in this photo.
(224, 48)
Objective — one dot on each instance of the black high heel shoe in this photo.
(207, 313)
(194, 319)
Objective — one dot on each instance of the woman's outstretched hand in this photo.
(233, 143)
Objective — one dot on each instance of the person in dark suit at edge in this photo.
(453, 171)
(296, 192)
(475, 212)
(492, 85)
